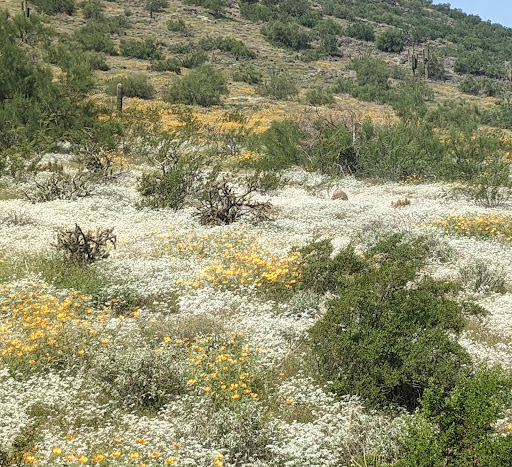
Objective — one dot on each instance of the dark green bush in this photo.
(170, 64)
(391, 40)
(52, 7)
(400, 151)
(255, 12)
(456, 428)
(361, 31)
(216, 7)
(177, 25)
(279, 85)
(93, 10)
(229, 45)
(471, 85)
(134, 85)
(280, 144)
(389, 334)
(203, 86)
(145, 49)
(193, 59)
(290, 34)
(155, 6)
(96, 37)
(248, 73)
(320, 96)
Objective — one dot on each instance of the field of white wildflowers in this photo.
(185, 362)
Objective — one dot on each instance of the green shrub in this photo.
(216, 7)
(457, 428)
(491, 186)
(279, 85)
(177, 25)
(134, 85)
(168, 190)
(478, 276)
(145, 49)
(52, 7)
(389, 334)
(400, 151)
(248, 73)
(137, 377)
(280, 144)
(320, 96)
(290, 34)
(361, 31)
(193, 59)
(470, 85)
(391, 40)
(170, 64)
(255, 12)
(229, 45)
(203, 86)
(155, 6)
(93, 10)
(95, 36)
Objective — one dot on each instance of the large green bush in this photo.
(52, 7)
(202, 86)
(391, 40)
(290, 34)
(145, 49)
(278, 85)
(390, 333)
(134, 85)
(361, 31)
(456, 428)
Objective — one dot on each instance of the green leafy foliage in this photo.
(216, 7)
(389, 333)
(143, 49)
(203, 86)
(278, 85)
(361, 31)
(289, 34)
(391, 40)
(456, 428)
(53, 7)
(230, 45)
(134, 85)
(96, 37)
(320, 96)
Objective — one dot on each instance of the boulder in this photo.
(339, 194)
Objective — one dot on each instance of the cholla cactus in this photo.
(85, 248)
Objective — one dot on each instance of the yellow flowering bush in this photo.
(491, 225)
(221, 367)
(238, 258)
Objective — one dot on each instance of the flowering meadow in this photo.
(188, 344)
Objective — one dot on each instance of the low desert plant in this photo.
(221, 204)
(60, 185)
(134, 85)
(143, 49)
(478, 276)
(202, 86)
(85, 247)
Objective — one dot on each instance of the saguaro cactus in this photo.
(120, 97)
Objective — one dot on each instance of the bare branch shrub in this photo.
(85, 247)
(60, 185)
(16, 217)
(222, 204)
